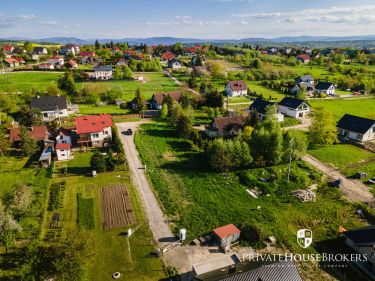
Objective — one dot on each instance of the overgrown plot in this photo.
(85, 211)
(116, 207)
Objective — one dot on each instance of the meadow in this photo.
(198, 199)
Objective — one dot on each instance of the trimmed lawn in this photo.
(200, 200)
(347, 158)
(267, 93)
(114, 251)
(87, 109)
(363, 107)
(22, 81)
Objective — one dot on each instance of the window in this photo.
(106, 132)
(359, 136)
(61, 150)
(95, 135)
(62, 155)
(45, 114)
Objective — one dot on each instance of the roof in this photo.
(103, 68)
(39, 49)
(291, 102)
(362, 236)
(49, 103)
(237, 85)
(92, 123)
(8, 48)
(56, 58)
(88, 54)
(167, 56)
(217, 263)
(305, 78)
(303, 57)
(63, 132)
(159, 97)
(355, 123)
(72, 62)
(323, 85)
(226, 230)
(63, 146)
(279, 271)
(260, 105)
(10, 60)
(226, 123)
(37, 133)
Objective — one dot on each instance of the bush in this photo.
(98, 162)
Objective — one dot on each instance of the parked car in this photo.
(361, 175)
(336, 183)
(128, 132)
(371, 181)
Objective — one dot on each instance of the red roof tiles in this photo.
(63, 146)
(37, 133)
(93, 123)
(226, 230)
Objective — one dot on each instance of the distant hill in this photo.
(173, 40)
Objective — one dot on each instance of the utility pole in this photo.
(290, 156)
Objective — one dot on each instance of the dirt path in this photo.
(178, 82)
(304, 126)
(157, 222)
(353, 190)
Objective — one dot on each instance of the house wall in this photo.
(103, 75)
(99, 138)
(53, 115)
(369, 135)
(295, 113)
(235, 93)
(228, 240)
(63, 139)
(63, 154)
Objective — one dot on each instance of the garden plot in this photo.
(116, 207)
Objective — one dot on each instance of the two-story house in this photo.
(51, 107)
(262, 108)
(292, 107)
(326, 88)
(103, 72)
(94, 130)
(356, 128)
(225, 126)
(236, 88)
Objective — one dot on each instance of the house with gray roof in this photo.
(51, 107)
(261, 108)
(326, 88)
(356, 128)
(103, 72)
(292, 107)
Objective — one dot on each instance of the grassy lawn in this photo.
(237, 99)
(267, 93)
(86, 109)
(200, 200)
(360, 107)
(154, 82)
(114, 251)
(349, 159)
(22, 81)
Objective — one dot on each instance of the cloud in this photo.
(8, 21)
(187, 20)
(53, 24)
(348, 15)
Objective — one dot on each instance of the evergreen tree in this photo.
(28, 144)
(97, 44)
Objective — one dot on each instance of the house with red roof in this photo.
(94, 130)
(11, 62)
(57, 61)
(19, 60)
(157, 100)
(8, 48)
(37, 133)
(71, 64)
(227, 234)
(87, 54)
(62, 151)
(121, 62)
(304, 58)
(236, 88)
(166, 57)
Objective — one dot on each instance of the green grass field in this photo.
(200, 200)
(267, 93)
(22, 81)
(86, 109)
(339, 107)
(349, 159)
(85, 212)
(114, 252)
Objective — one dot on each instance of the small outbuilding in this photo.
(227, 234)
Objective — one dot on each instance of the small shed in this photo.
(227, 234)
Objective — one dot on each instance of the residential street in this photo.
(353, 190)
(157, 222)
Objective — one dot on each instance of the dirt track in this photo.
(353, 190)
(157, 222)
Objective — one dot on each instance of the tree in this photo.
(4, 144)
(323, 128)
(28, 144)
(256, 63)
(118, 73)
(185, 101)
(53, 90)
(28, 47)
(183, 125)
(66, 83)
(266, 143)
(295, 144)
(164, 111)
(168, 100)
(178, 49)
(29, 116)
(8, 228)
(217, 70)
(140, 100)
(97, 44)
(215, 99)
(98, 162)
(20, 200)
(127, 73)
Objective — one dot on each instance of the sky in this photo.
(206, 19)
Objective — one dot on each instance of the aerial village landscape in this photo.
(173, 158)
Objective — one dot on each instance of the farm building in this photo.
(236, 88)
(295, 108)
(261, 107)
(356, 128)
(227, 234)
(225, 126)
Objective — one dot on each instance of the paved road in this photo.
(353, 190)
(157, 222)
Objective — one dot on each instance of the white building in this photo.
(62, 151)
(94, 130)
(236, 88)
(51, 107)
(326, 88)
(56, 61)
(263, 107)
(103, 72)
(356, 128)
(292, 107)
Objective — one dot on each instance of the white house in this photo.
(121, 62)
(103, 72)
(94, 130)
(326, 88)
(236, 88)
(51, 107)
(62, 151)
(174, 64)
(64, 136)
(46, 66)
(356, 128)
(57, 61)
(292, 107)
(40, 51)
(263, 107)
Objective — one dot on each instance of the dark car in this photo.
(336, 183)
(128, 132)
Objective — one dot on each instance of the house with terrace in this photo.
(292, 107)
(356, 128)
(262, 108)
(94, 130)
(225, 126)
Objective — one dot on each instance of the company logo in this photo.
(304, 238)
